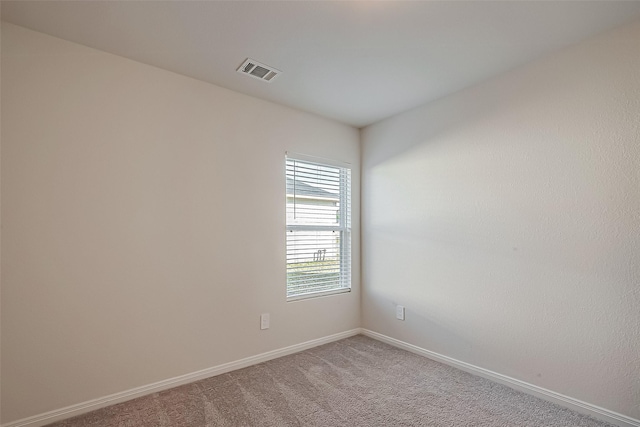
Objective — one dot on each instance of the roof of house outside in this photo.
(303, 189)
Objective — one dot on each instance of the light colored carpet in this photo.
(354, 382)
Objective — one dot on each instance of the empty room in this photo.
(320, 213)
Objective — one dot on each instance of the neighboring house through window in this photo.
(318, 228)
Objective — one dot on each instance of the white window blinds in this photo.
(318, 229)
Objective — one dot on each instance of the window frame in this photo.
(344, 226)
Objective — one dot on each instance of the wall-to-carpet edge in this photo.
(91, 405)
(549, 395)
(562, 400)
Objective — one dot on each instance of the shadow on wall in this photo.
(503, 218)
(434, 122)
(500, 168)
(443, 330)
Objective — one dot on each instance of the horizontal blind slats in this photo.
(318, 228)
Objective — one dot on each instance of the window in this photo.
(318, 228)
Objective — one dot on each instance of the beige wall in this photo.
(0, 215)
(505, 218)
(143, 224)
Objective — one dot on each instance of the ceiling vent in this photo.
(258, 71)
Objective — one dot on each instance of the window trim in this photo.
(318, 294)
(315, 159)
(344, 228)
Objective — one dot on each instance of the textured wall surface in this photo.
(506, 219)
(144, 224)
(0, 216)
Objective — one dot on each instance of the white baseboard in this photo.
(560, 399)
(91, 405)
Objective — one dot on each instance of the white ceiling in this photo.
(356, 62)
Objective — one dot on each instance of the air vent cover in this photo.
(258, 70)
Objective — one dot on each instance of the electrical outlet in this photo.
(400, 312)
(264, 321)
